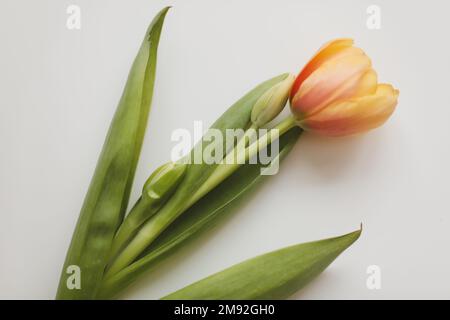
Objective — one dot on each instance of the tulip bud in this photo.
(157, 189)
(163, 181)
(272, 102)
(337, 92)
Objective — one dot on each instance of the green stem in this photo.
(130, 225)
(158, 223)
(230, 165)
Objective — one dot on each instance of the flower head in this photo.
(337, 92)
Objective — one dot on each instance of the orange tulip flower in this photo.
(337, 92)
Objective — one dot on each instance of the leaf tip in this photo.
(356, 234)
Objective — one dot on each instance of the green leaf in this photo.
(274, 275)
(236, 117)
(201, 217)
(198, 170)
(107, 198)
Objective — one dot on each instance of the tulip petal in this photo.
(337, 79)
(354, 115)
(324, 53)
(367, 84)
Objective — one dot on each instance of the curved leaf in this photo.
(274, 275)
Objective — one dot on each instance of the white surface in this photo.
(60, 89)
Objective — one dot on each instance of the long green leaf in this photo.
(274, 275)
(203, 215)
(107, 198)
(198, 170)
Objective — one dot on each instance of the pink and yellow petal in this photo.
(337, 79)
(355, 115)
(325, 52)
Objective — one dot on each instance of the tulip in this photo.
(337, 92)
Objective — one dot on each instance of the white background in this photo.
(59, 89)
